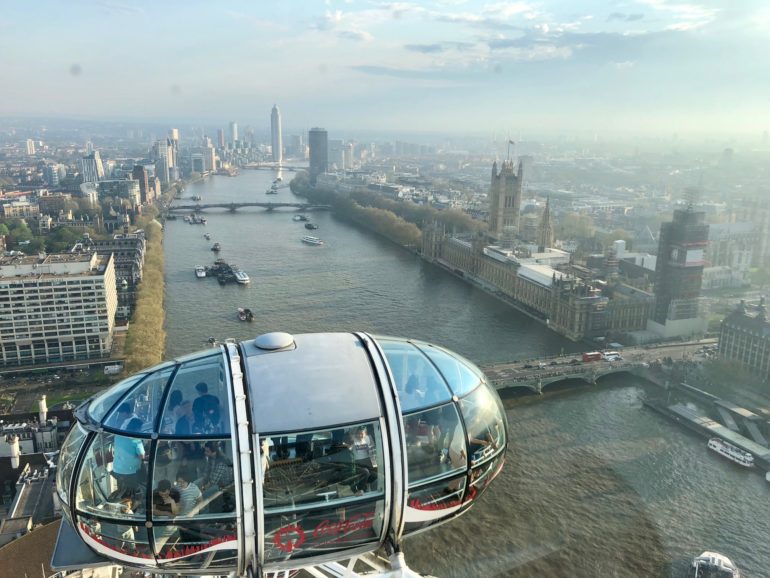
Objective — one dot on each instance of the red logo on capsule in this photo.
(284, 540)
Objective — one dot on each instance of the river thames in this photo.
(595, 484)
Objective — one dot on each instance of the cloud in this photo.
(328, 21)
(692, 15)
(392, 71)
(626, 64)
(355, 35)
(424, 48)
(620, 16)
(121, 9)
(253, 20)
(440, 47)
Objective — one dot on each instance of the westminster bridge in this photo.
(645, 362)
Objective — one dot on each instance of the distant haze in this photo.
(647, 66)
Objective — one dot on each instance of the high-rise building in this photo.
(318, 141)
(233, 133)
(31, 284)
(297, 146)
(220, 138)
(336, 155)
(173, 153)
(91, 168)
(275, 132)
(30, 145)
(139, 173)
(160, 154)
(505, 200)
(679, 274)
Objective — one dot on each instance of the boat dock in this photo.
(731, 430)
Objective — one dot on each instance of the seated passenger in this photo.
(165, 500)
(189, 494)
(217, 477)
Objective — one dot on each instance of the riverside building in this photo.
(574, 307)
(744, 337)
(56, 308)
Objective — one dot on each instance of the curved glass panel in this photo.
(483, 475)
(310, 468)
(294, 535)
(113, 477)
(99, 407)
(462, 376)
(434, 443)
(433, 503)
(196, 545)
(485, 424)
(139, 409)
(193, 479)
(198, 402)
(69, 452)
(125, 542)
(418, 383)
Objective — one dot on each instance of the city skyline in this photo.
(643, 66)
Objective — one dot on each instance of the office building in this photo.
(505, 201)
(319, 152)
(335, 155)
(30, 147)
(121, 189)
(297, 146)
(160, 154)
(678, 275)
(139, 174)
(233, 133)
(59, 307)
(52, 203)
(276, 140)
(744, 338)
(220, 139)
(91, 168)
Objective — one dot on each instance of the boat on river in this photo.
(311, 226)
(216, 247)
(207, 236)
(240, 276)
(731, 452)
(196, 197)
(310, 240)
(200, 271)
(245, 314)
(300, 218)
(713, 565)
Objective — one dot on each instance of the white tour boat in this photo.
(310, 240)
(241, 277)
(713, 565)
(200, 271)
(731, 452)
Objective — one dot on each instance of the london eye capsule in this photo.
(281, 452)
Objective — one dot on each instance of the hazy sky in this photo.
(444, 65)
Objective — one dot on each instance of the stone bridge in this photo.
(538, 381)
(232, 207)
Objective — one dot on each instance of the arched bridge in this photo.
(232, 207)
(589, 373)
(642, 361)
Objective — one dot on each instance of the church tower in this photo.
(545, 231)
(505, 200)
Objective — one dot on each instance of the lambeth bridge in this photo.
(537, 374)
(232, 207)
